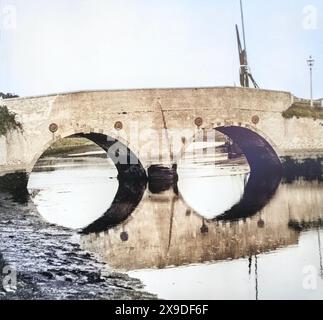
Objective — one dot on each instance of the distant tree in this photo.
(8, 121)
(8, 95)
(7, 118)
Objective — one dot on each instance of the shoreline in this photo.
(50, 263)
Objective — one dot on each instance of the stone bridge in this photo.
(138, 119)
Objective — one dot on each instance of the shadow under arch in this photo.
(130, 166)
(126, 162)
(258, 151)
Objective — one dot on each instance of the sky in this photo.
(58, 46)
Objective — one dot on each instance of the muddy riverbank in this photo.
(48, 259)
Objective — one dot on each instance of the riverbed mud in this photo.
(49, 262)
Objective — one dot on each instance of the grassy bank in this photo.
(304, 110)
(67, 145)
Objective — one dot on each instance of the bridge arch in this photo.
(259, 149)
(253, 128)
(124, 159)
(265, 170)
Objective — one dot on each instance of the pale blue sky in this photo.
(71, 45)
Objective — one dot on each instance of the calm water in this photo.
(221, 233)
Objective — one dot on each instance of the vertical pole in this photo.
(311, 84)
(242, 22)
(205, 140)
(310, 63)
(320, 252)
(215, 146)
(256, 277)
(243, 29)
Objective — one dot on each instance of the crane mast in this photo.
(245, 74)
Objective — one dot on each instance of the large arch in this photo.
(126, 162)
(258, 151)
(265, 167)
(131, 176)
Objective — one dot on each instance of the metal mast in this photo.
(310, 63)
(245, 74)
(243, 29)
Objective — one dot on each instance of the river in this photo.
(220, 232)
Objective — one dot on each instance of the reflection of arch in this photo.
(261, 187)
(128, 196)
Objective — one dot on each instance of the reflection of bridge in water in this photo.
(163, 231)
